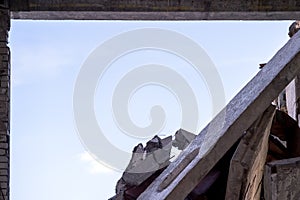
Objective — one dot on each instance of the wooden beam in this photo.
(155, 9)
(248, 162)
(281, 179)
(228, 126)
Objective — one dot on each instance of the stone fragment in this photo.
(146, 161)
(183, 139)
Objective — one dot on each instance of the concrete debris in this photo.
(183, 139)
(148, 162)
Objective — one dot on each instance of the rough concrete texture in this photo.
(281, 179)
(155, 9)
(4, 102)
(155, 5)
(159, 15)
(148, 162)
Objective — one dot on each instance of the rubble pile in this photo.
(148, 162)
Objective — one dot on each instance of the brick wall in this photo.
(4, 102)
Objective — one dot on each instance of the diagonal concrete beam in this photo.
(228, 126)
(155, 9)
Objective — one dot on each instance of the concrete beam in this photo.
(229, 125)
(4, 102)
(155, 5)
(156, 9)
(108, 15)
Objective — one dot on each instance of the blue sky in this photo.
(48, 159)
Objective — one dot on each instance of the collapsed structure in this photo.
(271, 142)
(163, 10)
(250, 150)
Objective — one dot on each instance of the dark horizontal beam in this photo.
(155, 9)
(79, 15)
(155, 5)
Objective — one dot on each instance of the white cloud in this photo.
(94, 167)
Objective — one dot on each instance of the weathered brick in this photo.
(4, 83)
(4, 172)
(4, 98)
(4, 132)
(4, 57)
(4, 23)
(3, 178)
(3, 91)
(3, 38)
(4, 68)
(4, 71)
(4, 78)
(5, 124)
(3, 165)
(4, 50)
(3, 185)
(3, 110)
(3, 116)
(3, 44)
(3, 127)
(2, 153)
(4, 119)
(3, 146)
(4, 192)
(3, 138)
(4, 104)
